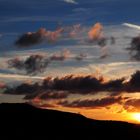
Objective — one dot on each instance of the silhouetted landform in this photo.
(23, 120)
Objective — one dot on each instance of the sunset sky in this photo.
(87, 39)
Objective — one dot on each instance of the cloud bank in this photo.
(81, 84)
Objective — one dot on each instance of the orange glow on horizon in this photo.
(136, 117)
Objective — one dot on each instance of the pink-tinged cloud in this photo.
(2, 85)
(33, 38)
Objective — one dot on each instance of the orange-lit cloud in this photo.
(132, 105)
(32, 38)
(95, 32)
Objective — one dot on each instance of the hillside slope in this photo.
(23, 120)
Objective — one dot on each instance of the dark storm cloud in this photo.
(97, 103)
(32, 38)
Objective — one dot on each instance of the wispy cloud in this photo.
(131, 25)
(98, 103)
(71, 1)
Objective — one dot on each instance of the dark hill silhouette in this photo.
(23, 120)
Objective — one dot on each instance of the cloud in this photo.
(71, 1)
(135, 79)
(132, 105)
(95, 33)
(36, 91)
(47, 95)
(91, 103)
(53, 95)
(60, 56)
(32, 65)
(135, 48)
(37, 63)
(33, 38)
(73, 84)
(131, 25)
(51, 92)
(2, 85)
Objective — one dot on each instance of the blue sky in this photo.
(20, 16)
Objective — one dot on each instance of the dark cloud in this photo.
(115, 84)
(34, 90)
(133, 85)
(135, 48)
(47, 95)
(37, 63)
(24, 89)
(32, 38)
(135, 79)
(97, 103)
(73, 84)
(32, 65)
(52, 94)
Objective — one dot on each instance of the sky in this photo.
(43, 39)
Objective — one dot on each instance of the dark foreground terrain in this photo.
(24, 121)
